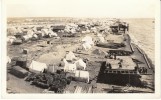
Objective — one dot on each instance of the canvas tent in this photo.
(11, 30)
(70, 56)
(8, 59)
(101, 39)
(30, 33)
(44, 32)
(69, 67)
(87, 42)
(26, 37)
(37, 66)
(11, 39)
(81, 63)
(52, 34)
(86, 46)
(99, 52)
(87, 39)
(82, 74)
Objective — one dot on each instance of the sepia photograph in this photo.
(81, 47)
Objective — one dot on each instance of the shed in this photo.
(19, 72)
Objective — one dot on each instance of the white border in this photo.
(81, 96)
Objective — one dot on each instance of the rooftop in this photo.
(115, 38)
(126, 64)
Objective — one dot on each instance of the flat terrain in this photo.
(142, 30)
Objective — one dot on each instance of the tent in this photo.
(101, 39)
(34, 29)
(87, 39)
(82, 74)
(99, 52)
(35, 36)
(26, 37)
(30, 32)
(37, 66)
(8, 59)
(52, 34)
(69, 67)
(19, 30)
(86, 46)
(11, 39)
(39, 33)
(99, 35)
(70, 56)
(51, 68)
(81, 63)
(44, 31)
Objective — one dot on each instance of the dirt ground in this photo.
(53, 53)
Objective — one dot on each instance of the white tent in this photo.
(70, 56)
(81, 63)
(52, 34)
(99, 35)
(37, 66)
(11, 39)
(30, 32)
(82, 74)
(35, 36)
(26, 37)
(45, 31)
(11, 30)
(69, 67)
(86, 46)
(19, 30)
(51, 68)
(8, 59)
(101, 39)
(87, 39)
(39, 33)
(34, 29)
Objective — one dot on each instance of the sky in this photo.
(81, 8)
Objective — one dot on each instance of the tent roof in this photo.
(70, 56)
(37, 66)
(87, 38)
(115, 38)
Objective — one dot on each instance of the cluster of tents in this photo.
(36, 32)
(70, 64)
(87, 42)
(30, 34)
(71, 28)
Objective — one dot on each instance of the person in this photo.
(127, 27)
(136, 68)
(110, 56)
(120, 65)
(143, 70)
(110, 67)
(115, 56)
(146, 70)
(121, 60)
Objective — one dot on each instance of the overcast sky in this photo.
(81, 8)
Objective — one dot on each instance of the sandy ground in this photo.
(18, 85)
